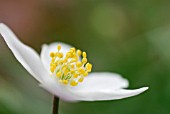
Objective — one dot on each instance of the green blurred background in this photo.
(130, 37)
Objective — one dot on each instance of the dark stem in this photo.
(55, 105)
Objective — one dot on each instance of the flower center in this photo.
(69, 68)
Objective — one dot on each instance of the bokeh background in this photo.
(130, 37)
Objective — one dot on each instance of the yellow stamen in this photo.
(59, 47)
(65, 60)
(78, 64)
(81, 70)
(66, 71)
(73, 60)
(52, 69)
(68, 68)
(84, 60)
(65, 82)
(81, 79)
(72, 71)
(72, 66)
(84, 55)
(85, 74)
(60, 55)
(52, 54)
(58, 74)
(73, 83)
(68, 55)
(73, 49)
(79, 52)
(76, 75)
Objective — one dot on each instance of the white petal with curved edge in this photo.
(108, 94)
(60, 91)
(104, 86)
(24, 54)
(47, 49)
(98, 81)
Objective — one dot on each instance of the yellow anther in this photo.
(78, 64)
(65, 82)
(68, 55)
(84, 55)
(73, 60)
(72, 66)
(88, 65)
(66, 71)
(52, 69)
(52, 60)
(74, 55)
(63, 68)
(73, 83)
(88, 69)
(79, 52)
(56, 63)
(58, 74)
(73, 49)
(81, 79)
(85, 74)
(60, 61)
(52, 54)
(59, 47)
(60, 55)
(81, 70)
(84, 60)
(65, 60)
(72, 71)
(75, 75)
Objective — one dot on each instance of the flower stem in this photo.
(55, 105)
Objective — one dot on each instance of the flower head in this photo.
(65, 72)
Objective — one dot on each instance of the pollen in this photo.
(73, 83)
(52, 54)
(70, 68)
(81, 79)
(84, 60)
(59, 74)
(59, 47)
(78, 64)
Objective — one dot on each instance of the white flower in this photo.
(96, 86)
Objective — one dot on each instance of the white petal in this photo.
(23, 53)
(47, 49)
(102, 81)
(108, 94)
(104, 86)
(60, 91)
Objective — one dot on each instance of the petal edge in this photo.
(27, 56)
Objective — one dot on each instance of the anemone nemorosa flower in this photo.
(65, 72)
